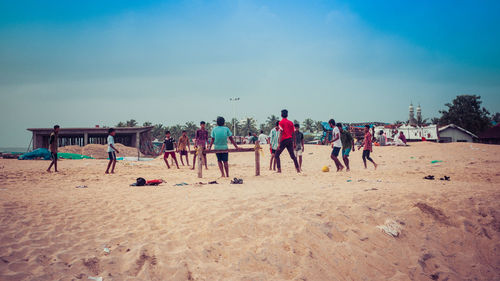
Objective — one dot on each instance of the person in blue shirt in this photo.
(219, 135)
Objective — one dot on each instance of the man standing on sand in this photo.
(336, 145)
(220, 134)
(263, 138)
(367, 147)
(184, 147)
(286, 140)
(298, 140)
(53, 142)
(274, 137)
(170, 146)
(111, 150)
(201, 140)
(347, 144)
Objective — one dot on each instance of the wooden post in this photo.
(257, 158)
(199, 156)
(138, 144)
(85, 138)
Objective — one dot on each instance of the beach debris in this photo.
(445, 178)
(107, 250)
(213, 182)
(181, 184)
(237, 181)
(155, 182)
(95, 278)
(436, 161)
(139, 182)
(81, 186)
(325, 169)
(349, 180)
(361, 180)
(429, 177)
(391, 228)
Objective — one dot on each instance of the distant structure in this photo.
(419, 114)
(138, 137)
(454, 133)
(491, 136)
(411, 120)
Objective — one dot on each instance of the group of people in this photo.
(285, 135)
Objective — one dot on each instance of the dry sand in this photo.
(99, 151)
(312, 226)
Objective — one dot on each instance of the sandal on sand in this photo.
(429, 177)
(237, 181)
(213, 182)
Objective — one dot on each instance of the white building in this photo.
(454, 133)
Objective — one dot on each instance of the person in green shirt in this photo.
(219, 135)
(347, 144)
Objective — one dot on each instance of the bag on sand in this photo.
(139, 182)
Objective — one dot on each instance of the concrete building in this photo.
(454, 133)
(491, 136)
(139, 137)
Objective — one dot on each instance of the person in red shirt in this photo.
(286, 141)
(367, 147)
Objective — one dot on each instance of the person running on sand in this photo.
(219, 135)
(201, 140)
(298, 138)
(53, 142)
(111, 150)
(169, 146)
(184, 147)
(274, 137)
(336, 145)
(367, 147)
(347, 144)
(286, 141)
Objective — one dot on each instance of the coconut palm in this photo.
(309, 125)
(249, 126)
(190, 128)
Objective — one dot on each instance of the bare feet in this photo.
(375, 165)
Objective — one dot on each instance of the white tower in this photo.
(411, 120)
(419, 113)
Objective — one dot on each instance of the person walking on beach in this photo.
(201, 140)
(336, 145)
(274, 137)
(298, 140)
(111, 151)
(367, 147)
(53, 143)
(286, 141)
(219, 135)
(170, 146)
(184, 147)
(347, 144)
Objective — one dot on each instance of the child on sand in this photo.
(336, 145)
(169, 145)
(111, 150)
(367, 147)
(53, 142)
(181, 148)
(347, 144)
(298, 137)
(219, 138)
(286, 141)
(201, 139)
(274, 137)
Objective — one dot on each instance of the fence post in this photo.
(199, 155)
(257, 158)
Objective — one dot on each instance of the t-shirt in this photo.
(111, 141)
(299, 136)
(274, 136)
(183, 141)
(169, 144)
(262, 139)
(53, 142)
(335, 134)
(201, 138)
(368, 141)
(346, 139)
(287, 128)
(220, 135)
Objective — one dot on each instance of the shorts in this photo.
(335, 151)
(53, 155)
(298, 152)
(345, 152)
(222, 157)
(183, 152)
(169, 153)
(112, 155)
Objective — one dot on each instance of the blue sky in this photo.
(81, 63)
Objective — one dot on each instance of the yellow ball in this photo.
(325, 169)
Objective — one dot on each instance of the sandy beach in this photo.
(309, 226)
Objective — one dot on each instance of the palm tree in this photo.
(398, 123)
(309, 125)
(271, 121)
(318, 125)
(131, 123)
(158, 131)
(121, 124)
(231, 125)
(190, 128)
(249, 126)
(147, 124)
